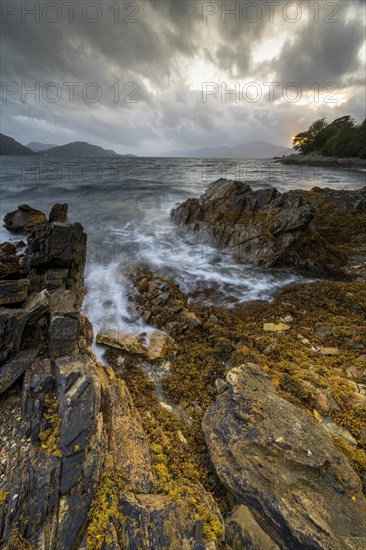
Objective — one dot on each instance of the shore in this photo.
(250, 419)
(314, 160)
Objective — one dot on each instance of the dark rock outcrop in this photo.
(254, 226)
(321, 232)
(79, 473)
(24, 219)
(277, 460)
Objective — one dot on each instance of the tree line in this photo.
(340, 138)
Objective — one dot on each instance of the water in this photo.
(124, 205)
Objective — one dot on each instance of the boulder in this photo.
(11, 265)
(278, 461)
(24, 219)
(151, 346)
(253, 226)
(57, 245)
(13, 292)
(128, 342)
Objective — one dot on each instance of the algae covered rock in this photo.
(24, 219)
(255, 226)
(280, 462)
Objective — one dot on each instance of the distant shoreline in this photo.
(323, 161)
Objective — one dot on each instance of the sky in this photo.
(152, 76)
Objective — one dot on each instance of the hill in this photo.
(80, 149)
(9, 146)
(37, 146)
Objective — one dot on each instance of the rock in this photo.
(244, 533)
(316, 232)
(58, 213)
(129, 342)
(12, 323)
(12, 267)
(345, 434)
(13, 369)
(255, 226)
(328, 351)
(13, 292)
(167, 523)
(156, 346)
(274, 458)
(355, 373)
(57, 245)
(127, 447)
(63, 333)
(24, 220)
(287, 319)
(275, 327)
(221, 385)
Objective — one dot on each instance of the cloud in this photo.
(168, 52)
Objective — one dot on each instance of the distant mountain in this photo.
(255, 149)
(37, 146)
(9, 146)
(80, 149)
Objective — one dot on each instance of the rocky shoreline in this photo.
(325, 162)
(250, 419)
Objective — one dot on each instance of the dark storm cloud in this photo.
(159, 53)
(322, 52)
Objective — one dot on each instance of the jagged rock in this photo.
(58, 213)
(11, 265)
(12, 323)
(63, 333)
(161, 302)
(255, 226)
(244, 533)
(57, 245)
(12, 370)
(280, 462)
(13, 292)
(24, 220)
(320, 231)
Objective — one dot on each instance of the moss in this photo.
(104, 508)
(3, 497)
(17, 541)
(50, 437)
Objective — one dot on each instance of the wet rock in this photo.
(151, 346)
(13, 292)
(129, 342)
(57, 245)
(12, 370)
(255, 226)
(281, 463)
(24, 219)
(244, 533)
(58, 213)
